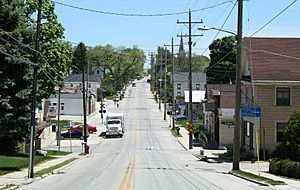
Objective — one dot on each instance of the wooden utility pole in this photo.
(160, 80)
(173, 87)
(84, 113)
(237, 115)
(34, 84)
(58, 119)
(190, 105)
(165, 84)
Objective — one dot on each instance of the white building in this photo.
(70, 103)
(75, 80)
(181, 82)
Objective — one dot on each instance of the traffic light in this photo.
(102, 108)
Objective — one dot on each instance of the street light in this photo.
(237, 109)
(219, 29)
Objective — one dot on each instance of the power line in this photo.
(17, 58)
(222, 25)
(47, 64)
(274, 18)
(139, 15)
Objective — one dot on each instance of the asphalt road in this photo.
(148, 157)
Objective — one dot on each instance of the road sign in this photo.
(250, 111)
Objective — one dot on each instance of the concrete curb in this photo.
(181, 143)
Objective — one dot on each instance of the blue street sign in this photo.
(250, 111)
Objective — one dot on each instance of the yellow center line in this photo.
(122, 185)
(130, 175)
(127, 177)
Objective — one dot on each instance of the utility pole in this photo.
(152, 72)
(190, 74)
(87, 84)
(165, 84)
(34, 84)
(160, 80)
(84, 113)
(237, 116)
(173, 88)
(58, 119)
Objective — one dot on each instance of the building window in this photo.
(178, 86)
(62, 108)
(53, 104)
(197, 86)
(280, 131)
(98, 72)
(178, 93)
(90, 85)
(283, 96)
(71, 85)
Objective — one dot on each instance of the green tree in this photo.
(119, 65)
(17, 39)
(290, 147)
(79, 60)
(222, 60)
(292, 136)
(55, 54)
(15, 76)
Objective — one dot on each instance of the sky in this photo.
(149, 32)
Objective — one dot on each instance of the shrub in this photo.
(285, 167)
(290, 147)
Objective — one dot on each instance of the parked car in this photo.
(72, 134)
(91, 128)
(133, 84)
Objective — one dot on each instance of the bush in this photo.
(290, 149)
(285, 167)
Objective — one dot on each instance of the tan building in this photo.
(271, 80)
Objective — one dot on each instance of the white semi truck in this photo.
(115, 124)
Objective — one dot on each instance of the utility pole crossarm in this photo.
(185, 22)
(186, 35)
(190, 104)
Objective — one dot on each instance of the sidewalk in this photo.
(254, 168)
(20, 178)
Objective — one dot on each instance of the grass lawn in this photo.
(109, 97)
(174, 132)
(183, 123)
(57, 153)
(64, 123)
(257, 178)
(17, 162)
(51, 169)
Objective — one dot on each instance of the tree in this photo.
(119, 65)
(79, 61)
(17, 23)
(55, 54)
(290, 147)
(15, 76)
(222, 60)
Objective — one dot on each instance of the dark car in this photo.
(72, 134)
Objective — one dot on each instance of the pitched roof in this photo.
(273, 59)
(78, 78)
